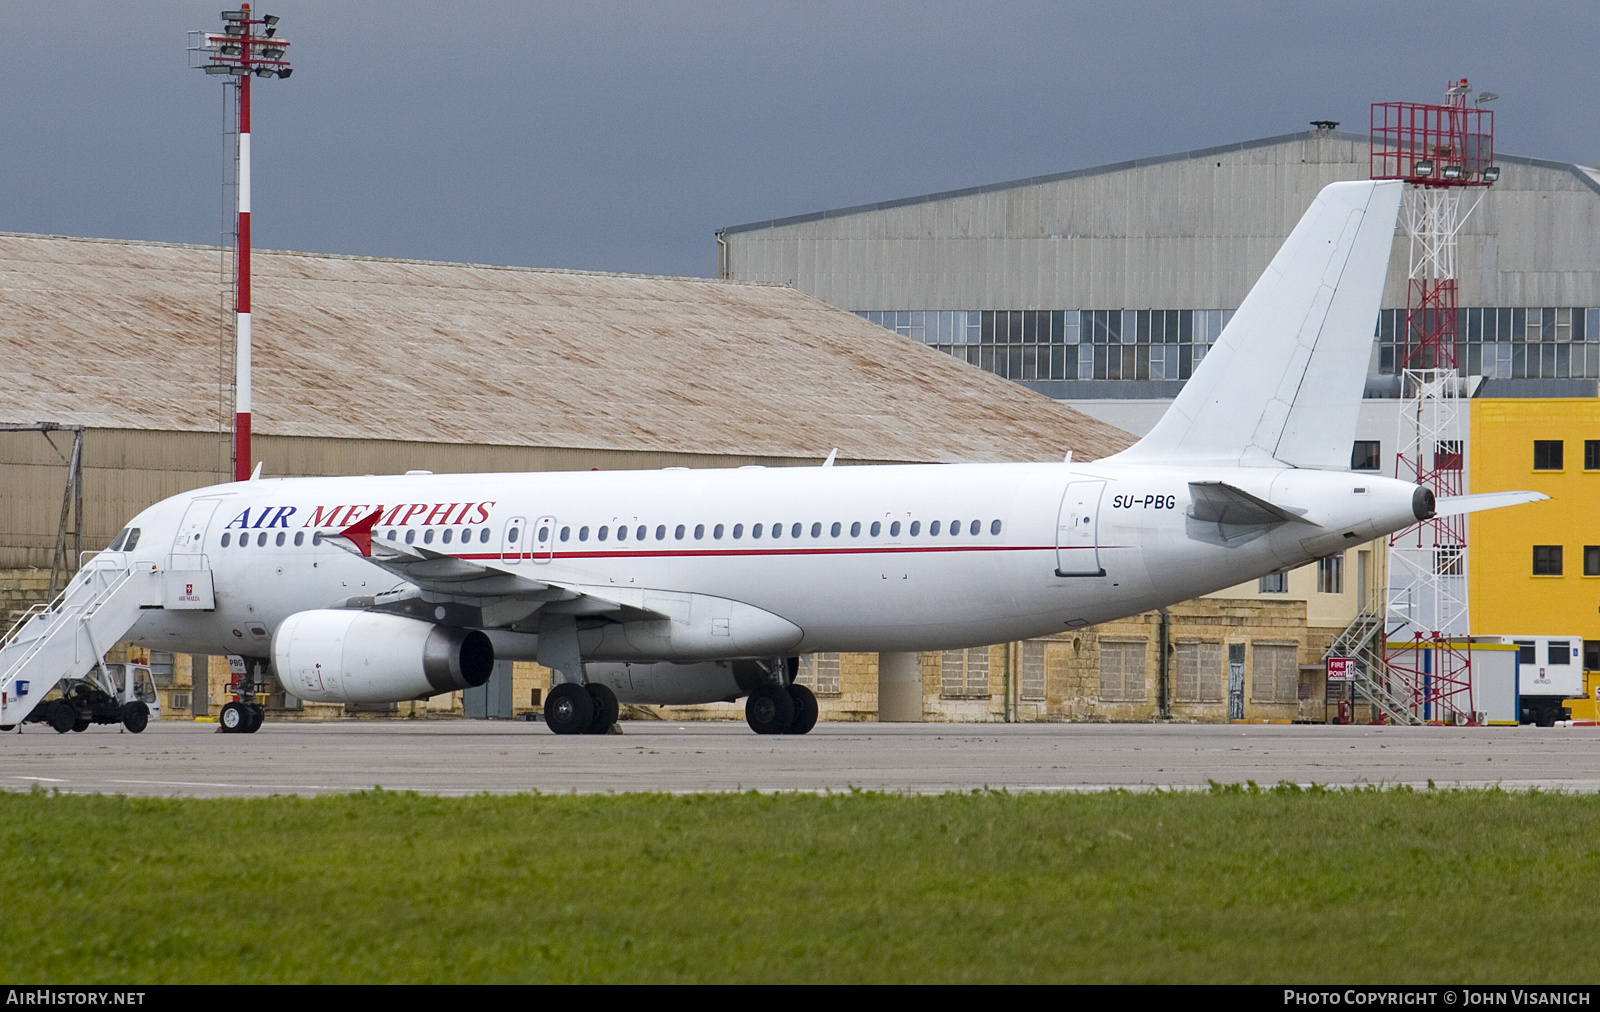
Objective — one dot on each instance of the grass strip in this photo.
(1236, 885)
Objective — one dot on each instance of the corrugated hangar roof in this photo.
(126, 335)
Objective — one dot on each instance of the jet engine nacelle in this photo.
(338, 656)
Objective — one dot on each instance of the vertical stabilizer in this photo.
(1284, 381)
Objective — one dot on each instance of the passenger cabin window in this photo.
(755, 532)
(411, 536)
(622, 534)
(994, 527)
(638, 534)
(933, 528)
(738, 531)
(876, 528)
(566, 533)
(716, 532)
(602, 533)
(583, 533)
(261, 540)
(299, 538)
(894, 529)
(855, 529)
(699, 531)
(1547, 454)
(794, 532)
(448, 533)
(916, 528)
(279, 539)
(227, 539)
(661, 533)
(816, 530)
(427, 536)
(678, 532)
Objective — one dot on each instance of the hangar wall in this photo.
(1191, 230)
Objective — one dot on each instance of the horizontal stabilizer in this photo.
(1220, 503)
(1457, 504)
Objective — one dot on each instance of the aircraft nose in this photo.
(1422, 505)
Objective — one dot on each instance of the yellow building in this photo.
(1535, 569)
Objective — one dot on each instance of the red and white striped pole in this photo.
(240, 52)
(241, 358)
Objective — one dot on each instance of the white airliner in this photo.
(685, 586)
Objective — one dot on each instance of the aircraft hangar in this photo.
(1103, 287)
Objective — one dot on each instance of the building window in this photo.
(1367, 455)
(1199, 673)
(1122, 671)
(1447, 455)
(1274, 583)
(1032, 680)
(1547, 454)
(1591, 454)
(1591, 560)
(820, 673)
(1330, 574)
(964, 674)
(1591, 655)
(1449, 560)
(1275, 676)
(1546, 560)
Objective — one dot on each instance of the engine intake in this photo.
(340, 656)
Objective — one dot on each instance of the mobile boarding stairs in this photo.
(63, 644)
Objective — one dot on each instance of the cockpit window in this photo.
(116, 544)
(133, 540)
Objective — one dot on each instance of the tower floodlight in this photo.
(237, 53)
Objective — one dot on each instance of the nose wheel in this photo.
(241, 718)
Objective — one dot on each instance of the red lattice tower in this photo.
(1444, 152)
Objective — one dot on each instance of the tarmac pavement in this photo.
(455, 756)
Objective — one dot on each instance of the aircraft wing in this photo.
(493, 596)
(1454, 505)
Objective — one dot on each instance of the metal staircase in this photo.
(69, 636)
(1363, 639)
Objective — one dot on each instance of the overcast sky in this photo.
(620, 136)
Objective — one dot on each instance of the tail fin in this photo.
(1284, 381)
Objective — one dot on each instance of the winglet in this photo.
(256, 474)
(832, 456)
(360, 532)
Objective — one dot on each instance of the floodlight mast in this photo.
(1442, 152)
(240, 52)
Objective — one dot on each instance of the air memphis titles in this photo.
(442, 514)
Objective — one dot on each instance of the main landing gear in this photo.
(581, 709)
(241, 718)
(781, 709)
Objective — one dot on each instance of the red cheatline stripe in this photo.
(731, 553)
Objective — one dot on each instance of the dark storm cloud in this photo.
(616, 136)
